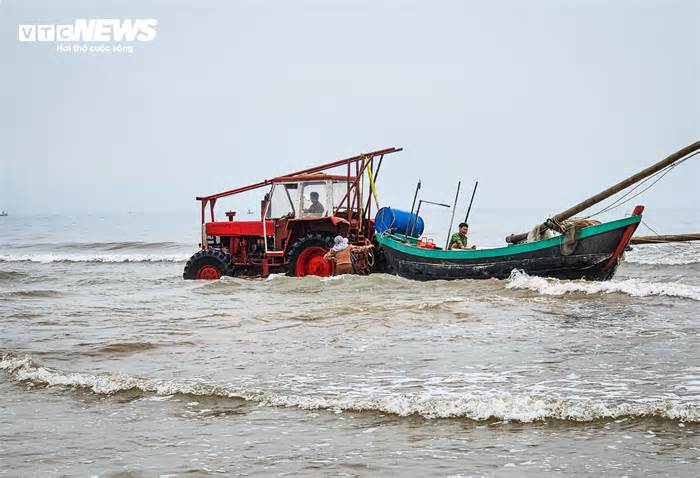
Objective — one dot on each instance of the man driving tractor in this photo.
(316, 207)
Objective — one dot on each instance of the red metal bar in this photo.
(343, 161)
(323, 167)
(231, 192)
(374, 176)
(358, 193)
(356, 196)
(312, 177)
(212, 203)
(368, 206)
(348, 193)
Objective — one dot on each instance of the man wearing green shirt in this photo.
(459, 239)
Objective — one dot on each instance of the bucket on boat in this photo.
(397, 220)
(426, 243)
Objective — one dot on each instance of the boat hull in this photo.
(596, 255)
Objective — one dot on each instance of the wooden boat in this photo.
(594, 255)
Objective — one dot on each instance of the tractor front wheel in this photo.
(208, 265)
(305, 256)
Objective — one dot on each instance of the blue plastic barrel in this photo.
(397, 221)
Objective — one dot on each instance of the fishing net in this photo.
(569, 229)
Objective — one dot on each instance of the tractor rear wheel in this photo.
(305, 256)
(208, 265)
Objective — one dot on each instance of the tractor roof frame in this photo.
(361, 162)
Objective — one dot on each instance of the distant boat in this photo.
(250, 212)
(3, 213)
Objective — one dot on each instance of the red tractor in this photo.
(299, 217)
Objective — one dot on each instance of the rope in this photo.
(659, 235)
(616, 204)
(372, 186)
(650, 228)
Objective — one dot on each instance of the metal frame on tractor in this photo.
(261, 247)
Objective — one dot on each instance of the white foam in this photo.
(632, 287)
(477, 406)
(278, 277)
(664, 254)
(96, 257)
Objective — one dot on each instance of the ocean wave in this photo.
(11, 275)
(343, 282)
(126, 347)
(30, 294)
(47, 258)
(474, 406)
(137, 245)
(103, 246)
(664, 254)
(631, 287)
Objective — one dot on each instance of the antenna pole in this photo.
(452, 218)
(466, 218)
(410, 216)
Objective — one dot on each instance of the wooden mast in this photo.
(603, 195)
(693, 236)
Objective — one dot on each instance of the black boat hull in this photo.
(594, 258)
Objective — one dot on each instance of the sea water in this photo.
(111, 364)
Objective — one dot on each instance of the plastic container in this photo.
(426, 243)
(397, 220)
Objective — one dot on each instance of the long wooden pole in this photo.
(694, 236)
(603, 195)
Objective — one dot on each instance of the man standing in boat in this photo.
(341, 254)
(459, 239)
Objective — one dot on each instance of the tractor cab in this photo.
(306, 198)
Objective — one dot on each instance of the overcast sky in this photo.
(545, 102)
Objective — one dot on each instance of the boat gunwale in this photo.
(395, 242)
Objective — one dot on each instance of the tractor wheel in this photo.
(305, 256)
(208, 265)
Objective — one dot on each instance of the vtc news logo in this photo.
(91, 30)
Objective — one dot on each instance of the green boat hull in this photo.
(595, 256)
